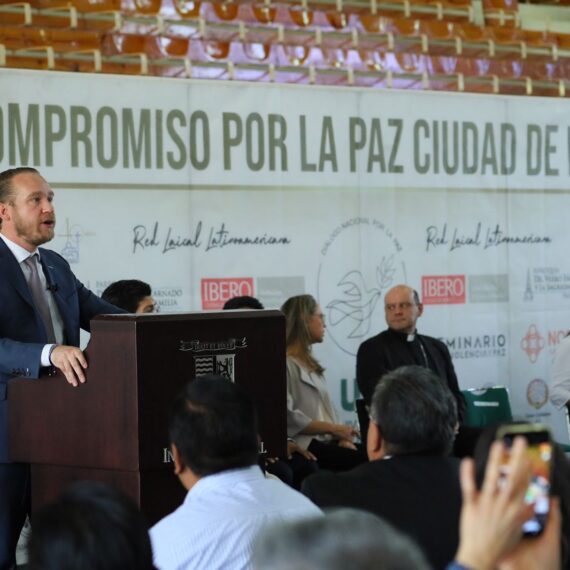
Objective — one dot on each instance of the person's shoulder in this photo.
(294, 366)
(373, 340)
(438, 343)
(441, 468)
(328, 480)
(54, 257)
(328, 489)
(287, 498)
(318, 483)
(167, 527)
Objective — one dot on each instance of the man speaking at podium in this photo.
(42, 308)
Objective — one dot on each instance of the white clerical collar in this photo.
(411, 337)
(19, 252)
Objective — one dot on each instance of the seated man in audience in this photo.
(342, 539)
(410, 479)
(90, 527)
(490, 528)
(213, 435)
(132, 295)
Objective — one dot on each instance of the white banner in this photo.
(211, 189)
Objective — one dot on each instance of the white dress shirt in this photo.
(220, 518)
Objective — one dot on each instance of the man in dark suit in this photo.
(401, 345)
(42, 308)
(410, 480)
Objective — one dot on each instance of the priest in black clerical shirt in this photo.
(401, 345)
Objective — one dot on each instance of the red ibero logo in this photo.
(443, 289)
(216, 291)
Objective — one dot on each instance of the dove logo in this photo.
(443, 289)
(361, 260)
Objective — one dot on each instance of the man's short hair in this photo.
(244, 302)
(343, 538)
(6, 189)
(127, 294)
(415, 412)
(416, 297)
(214, 426)
(90, 526)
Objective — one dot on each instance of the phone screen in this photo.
(540, 452)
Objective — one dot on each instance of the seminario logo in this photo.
(361, 260)
(477, 346)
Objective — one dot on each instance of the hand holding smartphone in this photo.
(539, 450)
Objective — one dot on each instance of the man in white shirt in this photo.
(213, 434)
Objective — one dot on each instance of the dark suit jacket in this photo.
(22, 333)
(383, 353)
(419, 494)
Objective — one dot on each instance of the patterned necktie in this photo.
(39, 294)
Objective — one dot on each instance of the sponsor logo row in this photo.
(493, 288)
(458, 289)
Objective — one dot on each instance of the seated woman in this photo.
(311, 417)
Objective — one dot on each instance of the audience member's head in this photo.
(343, 539)
(131, 295)
(402, 309)
(93, 527)
(244, 302)
(412, 411)
(559, 481)
(213, 428)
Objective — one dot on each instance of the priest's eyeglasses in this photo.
(390, 307)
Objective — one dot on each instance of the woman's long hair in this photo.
(298, 310)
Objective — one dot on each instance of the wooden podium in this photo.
(114, 428)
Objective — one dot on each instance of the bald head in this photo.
(402, 308)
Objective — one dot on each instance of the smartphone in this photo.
(539, 441)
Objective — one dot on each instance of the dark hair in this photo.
(343, 538)
(214, 426)
(91, 526)
(559, 480)
(415, 411)
(6, 189)
(244, 302)
(127, 294)
(416, 297)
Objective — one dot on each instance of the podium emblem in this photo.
(216, 357)
(221, 364)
